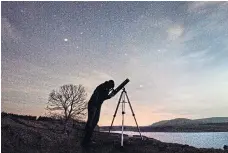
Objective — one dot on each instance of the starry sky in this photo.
(174, 53)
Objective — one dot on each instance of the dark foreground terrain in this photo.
(35, 136)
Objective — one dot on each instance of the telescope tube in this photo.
(119, 87)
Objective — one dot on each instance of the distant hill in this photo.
(184, 121)
(214, 124)
(177, 122)
(213, 120)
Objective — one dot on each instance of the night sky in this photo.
(174, 53)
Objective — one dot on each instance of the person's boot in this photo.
(87, 143)
(87, 139)
(92, 142)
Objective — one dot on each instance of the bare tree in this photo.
(69, 102)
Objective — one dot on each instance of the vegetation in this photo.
(69, 102)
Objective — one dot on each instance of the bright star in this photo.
(65, 39)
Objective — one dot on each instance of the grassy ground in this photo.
(23, 136)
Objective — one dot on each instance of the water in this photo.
(199, 140)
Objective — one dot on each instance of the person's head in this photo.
(109, 84)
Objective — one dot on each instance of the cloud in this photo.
(175, 32)
(25, 84)
(180, 77)
(176, 60)
(9, 32)
(183, 78)
(200, 7)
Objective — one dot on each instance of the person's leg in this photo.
(96, 119)
(88, 127)
(91, 125)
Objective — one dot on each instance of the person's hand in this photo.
(112, 94)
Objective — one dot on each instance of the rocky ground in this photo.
(31, 136)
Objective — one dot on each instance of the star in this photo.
(170, 49)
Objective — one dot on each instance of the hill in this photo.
(184, 121)
(214, 124)
(176, 122)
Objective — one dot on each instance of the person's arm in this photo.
(110, 95)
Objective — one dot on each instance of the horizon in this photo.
(120, 124)
(174, 53)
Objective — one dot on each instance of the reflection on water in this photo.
(199, 140)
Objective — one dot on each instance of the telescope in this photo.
(123, 99)
(121, 86)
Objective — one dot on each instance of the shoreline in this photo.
(175, 137)
(176, 131)
(190, 138)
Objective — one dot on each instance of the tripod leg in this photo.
(123, 112)
(133, 114)
(115, 112)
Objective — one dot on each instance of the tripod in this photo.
(122, 100)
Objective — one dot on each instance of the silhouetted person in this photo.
(100, 94)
